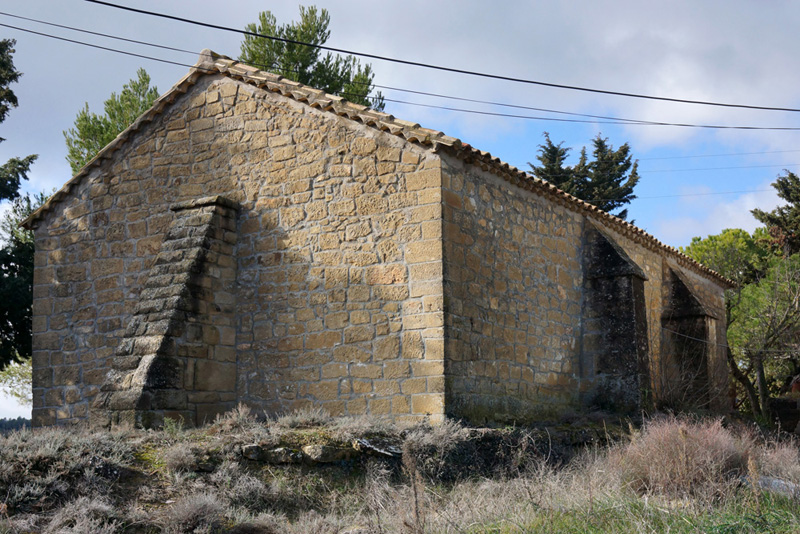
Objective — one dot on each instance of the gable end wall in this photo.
(339, 299)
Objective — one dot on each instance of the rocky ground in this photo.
(307, 472)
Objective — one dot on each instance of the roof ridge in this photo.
(209, 62)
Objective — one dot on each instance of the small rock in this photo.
(282, 455)
(205, 467)
(252, 452)
(377, 447)
(326, 454)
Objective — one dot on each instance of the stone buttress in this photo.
(177, 358)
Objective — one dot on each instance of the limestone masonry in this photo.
(250, 239)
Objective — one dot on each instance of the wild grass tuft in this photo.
(682, 457)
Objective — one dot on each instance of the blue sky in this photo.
(725, 51)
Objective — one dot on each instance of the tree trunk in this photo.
(763, 392)
(737, 373)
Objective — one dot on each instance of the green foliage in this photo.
(16, 169)
(783, 222)
(765, 323)
(763, 312)
(553, 158)
(93, 132)
(16, 291)
(607, 181)
(7, 425)
(734, 253)
(334, 74)
(15, 381)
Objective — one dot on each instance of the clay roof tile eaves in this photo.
(212, 63)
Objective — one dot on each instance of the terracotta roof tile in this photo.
(212, 63)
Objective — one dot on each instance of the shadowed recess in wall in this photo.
(688, 325)
(615, 361)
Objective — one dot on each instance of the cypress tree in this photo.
(607, 181)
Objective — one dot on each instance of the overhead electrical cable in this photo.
(686, 195)
(118, 38)
(785, 165)
(617, 122)
(722, 155)
(443, 68)
(142, 56)
(605, 119)
(426, 105)
(276, 67)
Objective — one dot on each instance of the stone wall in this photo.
(339, 292)
(513, 286)
(364, 274)
(340, 302)
(533, 330)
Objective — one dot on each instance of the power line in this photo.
(617, 122)
(442, 68)
(693, 194)
(608, 119)
(390, 100)
(785, 165)
(721, 155)
(411, 91)
(142, 56)
(145, 43)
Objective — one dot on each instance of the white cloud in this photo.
(719, 215)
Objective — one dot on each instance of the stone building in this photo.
(250, 239)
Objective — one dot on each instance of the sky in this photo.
(694, 181)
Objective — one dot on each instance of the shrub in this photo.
(242, 489)
(199, 513)
(781, 460)
(303, 418)
(681, 457)
(433, 451)
(179, 458)
(83, 515)
(362, 426)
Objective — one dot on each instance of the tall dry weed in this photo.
(683, 457)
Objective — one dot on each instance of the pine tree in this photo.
(334, 74)
(783, 223)
(16, 273)
(92, 132)
(16, 169)
(609, 179)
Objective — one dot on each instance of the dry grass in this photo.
(682, 457)
(674, 475)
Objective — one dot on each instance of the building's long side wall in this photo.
(513, 293)
(339, 247)
(513, 285)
